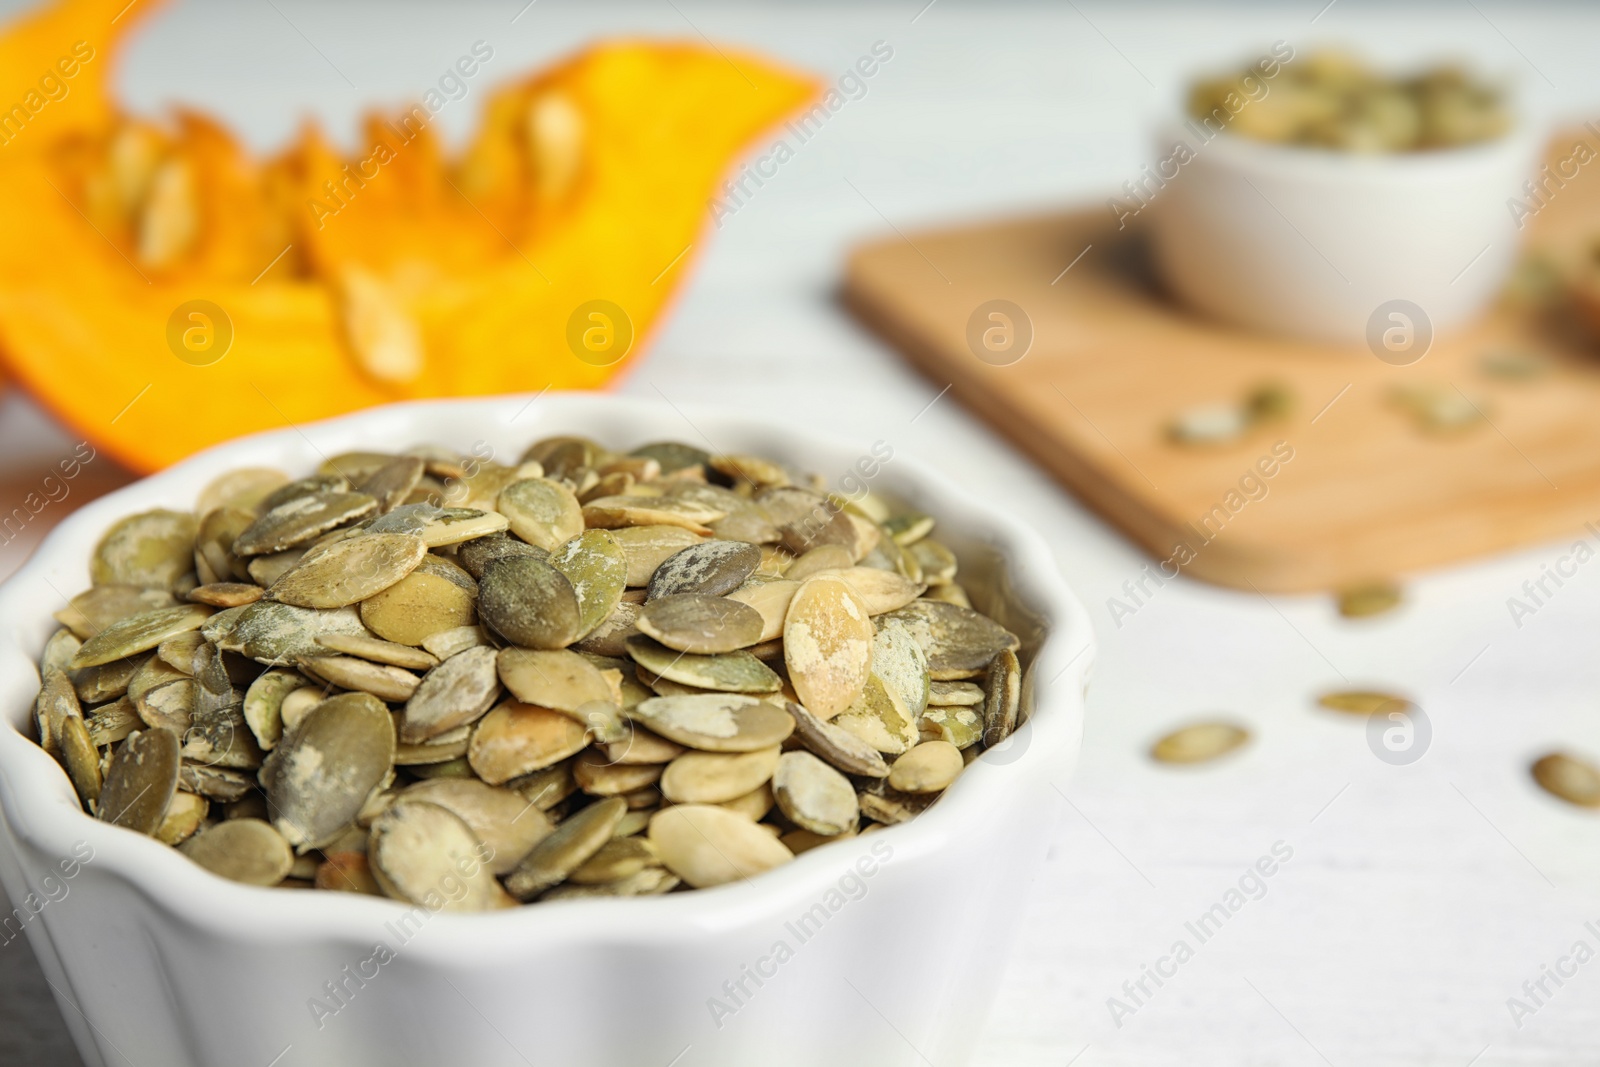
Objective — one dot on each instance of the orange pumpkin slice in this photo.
(162, 289)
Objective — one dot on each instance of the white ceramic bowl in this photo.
(1309, 242)
(157, 962)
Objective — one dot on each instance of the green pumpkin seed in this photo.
(301, 520)
(436, 596)
(610, 638)
(595, 565)
(881, 719)
(770, 597)
(185, 816)
(957, 640)
(827, 645)
(612, 512)
(140, 781)
(1368, 599)
(730, 672)
(689, 622)
(928, 768)
(542, 512)
(112, 723)
(1577, 781)
(815, 796)
(275, 634)
(94, 609)
(379, 651)
(139, 633)
(715, 777)
(826, 557)
(447, 643)
(318, 777)
(706, 845)
(477, 554)
(1362, 701)
(1199, 743)
(1003, 698)
(555, 679)
(618, 858)
(599, 777)
(530, 603)
(151, 550)
(348, 672)
(715, 722)
(577, 839)
(244, 488)
(458, 692)
(908, 528)
(936, 562)
(961, 726)
(437, 526)
(391, 483)
(108, 681)
(81, 759)
(674, 456)
(710, 568)
(515, 739)
(168, 707)
(840, 747)
(502, 819)
(350, 571)
(215, 783)
(242, 850)
(955, 695)
(419, 847)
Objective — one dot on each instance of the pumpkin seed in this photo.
(530, 603)
(645, 548)
(391, 483)
(418, 847)
(57, 700)
(81, 759)
(881, 719)
(151, 550)
(556, 679)
(225, 594)
(715, 722)
(837, 745)
(610, 638)
(436, 596)
(749, 523)
(275, 634)
(642, 746)
(96, 608)
(1574, 780)
(168, 707)
(348, 672)
(447, 643)
(689, 622)
(108, 681)
(1198, 743)
(140, 781)
(815, 796)
(113, 722)
(595, 565)
(936, 562)
(928, 768)
(652, 881)
(827, 557)
(244, 488)
(301, 520)
(613, 512)
(674, 456)
(185, 815)
(264, 570)
(710, 568)
(573, 843)
(349, 571)
(378, 651)
(731, 672)
(706, 845)
(618, 858)
(446, 748)
(58, 652)
(546, 788)
(437, 526)
(318, 776)
(242, 850)
(909, 527)
(957, 640)
(770, 597)
(715, 777)
(599, 777)
(954, 694)
(1369, 598)
(961, 726)
(1362, 702)
(298, 704)
(138, 633)
(515, 739)
(542, 512)
(178, 652)
(458, 692)
(827, 645)
(879, 591)
(1003, 698)
(884, 804)
(348, 872)
(326, 481)
(215, 783)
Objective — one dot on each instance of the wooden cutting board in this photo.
(1356, 488)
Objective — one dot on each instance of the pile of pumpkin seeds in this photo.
(587, 674)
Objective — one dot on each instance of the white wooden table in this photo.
(1418, 898)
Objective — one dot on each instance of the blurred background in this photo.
(1420, 897)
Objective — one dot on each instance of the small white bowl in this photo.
(894, 941)
(1309, 242)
